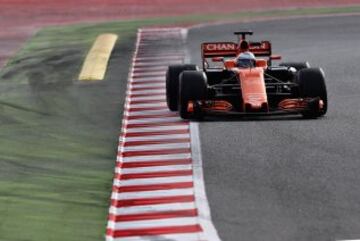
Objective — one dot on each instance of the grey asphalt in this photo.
(289, 179)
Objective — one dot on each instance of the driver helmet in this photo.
(246, 60)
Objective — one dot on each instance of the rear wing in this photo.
(230, 49)
(219, 49)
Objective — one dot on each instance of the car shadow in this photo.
(232, 118)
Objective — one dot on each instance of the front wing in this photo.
(285, 107)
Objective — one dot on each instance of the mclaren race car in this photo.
(239, 78)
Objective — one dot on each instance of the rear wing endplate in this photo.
(261, 49)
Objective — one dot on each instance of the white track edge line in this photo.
(199, 185)
(201, 201)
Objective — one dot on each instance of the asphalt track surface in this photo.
(289, 179)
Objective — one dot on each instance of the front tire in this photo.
(172, 83)
(311, 83)
(193, 87)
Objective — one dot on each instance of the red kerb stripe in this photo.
(143, 188)
(151, 60)
(146, 95)
(153, 216)
(140, 71)
(154, 174)
(144, 125)
(155, 133)
(147, 88)
(155, 152)
(135, 117)
(154, 163)
(141, 82)
(155, 142)
(154, 231)
(152, 201)
(147, 75)
(160, 107)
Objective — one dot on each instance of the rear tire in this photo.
(193, 87)
(311, 83)
(172, 83)
(297, 65)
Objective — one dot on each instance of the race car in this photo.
(239, 78)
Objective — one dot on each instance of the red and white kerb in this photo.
(158, 191)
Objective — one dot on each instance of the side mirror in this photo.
(275, 57)
(218, 59)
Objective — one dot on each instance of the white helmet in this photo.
(246, 60)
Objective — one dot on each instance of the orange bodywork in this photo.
(219, 105)
(252, 83)
(253, 89)
(251, 79)
(229, 64)
(291, 104)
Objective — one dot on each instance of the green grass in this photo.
(59, 137)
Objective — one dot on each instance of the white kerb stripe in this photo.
(157, 63)
(155, 157)
(146, 85)
(157, 128)
(152, 194)
(144, 79)
(140, 92)
(161, 57)
(152, 208)
(167, 237)
(149, 69)
(148, 74)
(152, 138)
(143, 98)
(154, 120)
(155, 147)
(144, 61)
(152, 181)
(154, 223)
(153, 169)
(164, 110)
(162, 103)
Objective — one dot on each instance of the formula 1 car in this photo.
(239, 78)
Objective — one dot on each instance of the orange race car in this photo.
(239, 78)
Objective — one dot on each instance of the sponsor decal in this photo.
(220, 47)
(263, 46)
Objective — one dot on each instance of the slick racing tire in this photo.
(311, 84)
(297, 65)
(193, 87)
(172, 83)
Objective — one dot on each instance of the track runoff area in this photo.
(158, 189)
